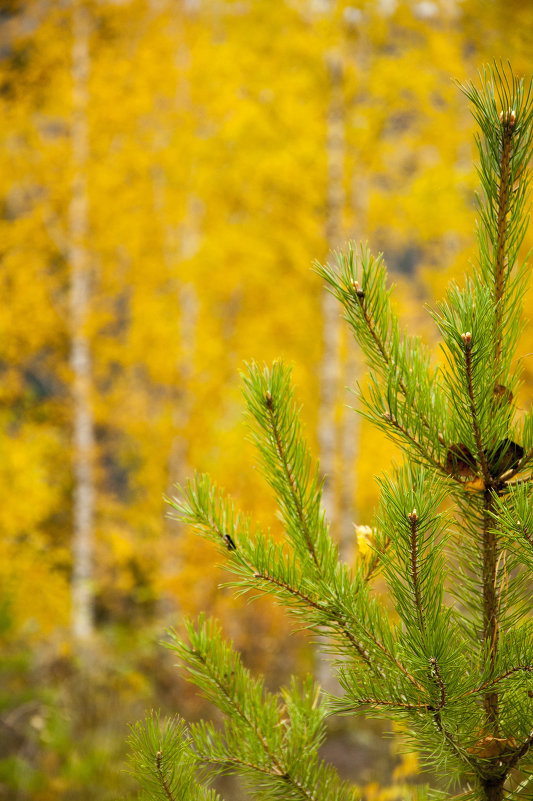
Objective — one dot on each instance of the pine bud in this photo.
(413, 517)
(359, 292)
(268, 398)
(509, 118)
(467, 338)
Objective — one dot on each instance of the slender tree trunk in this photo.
(494, 792)
(331, 372)
(331, 367)
(180, 240)
(80, 357)
(351, 422)
(358, 54)
(349, 445)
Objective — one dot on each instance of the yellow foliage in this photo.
(208, 173)
(36, 591)
(207, 185)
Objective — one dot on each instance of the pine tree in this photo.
(453, 535)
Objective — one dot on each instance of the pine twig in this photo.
(435, 673)
(374, 561)
(340, 620)
(161, 776)
(413, 551)
(396, 704)
(323, 609)
(508, 120)
(279, 768)
(418, 445)
(290, 478)
(497, 679)
(360, 295)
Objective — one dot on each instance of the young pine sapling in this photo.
(453, 537)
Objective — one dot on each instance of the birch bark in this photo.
(331, 368)
(82, 616)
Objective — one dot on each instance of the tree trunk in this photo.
(349, 445)
(493, 792)
(331, 367)
(351, 422)
(82, 619)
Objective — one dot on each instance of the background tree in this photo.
(80, 356)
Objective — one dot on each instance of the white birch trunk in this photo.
(330, 370)
(351, 421)
(82, 617)
(349, 445)
(331, 367)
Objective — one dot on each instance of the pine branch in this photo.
(508, 119)
(436, 675)
(419, 707)
(291, 481)
(162, 761)
(497, 679)
(277, 768)
(390, 656)
(359, 282)
(330, 615)
(162, 777)
(377, 702)
(286, 460)
(322, 609)
(427, 456)
(520, 752)
(386, 356)
(202, 506)
(359, 294)
(413, 550)
(503, 110)
(374, 562)
(265, 738)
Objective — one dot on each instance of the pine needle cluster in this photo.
(453, 538)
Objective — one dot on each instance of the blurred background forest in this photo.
(169, 171)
